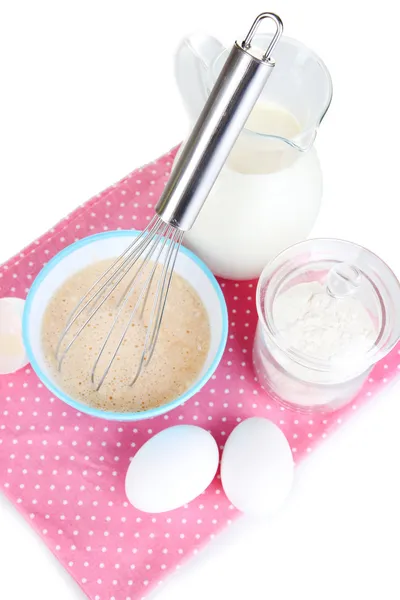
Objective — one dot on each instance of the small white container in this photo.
(328, 312)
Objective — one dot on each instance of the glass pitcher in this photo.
(267, 196)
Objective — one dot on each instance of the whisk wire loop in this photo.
(158, 245)
(159, 302)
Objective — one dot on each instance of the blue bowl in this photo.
(109, 245)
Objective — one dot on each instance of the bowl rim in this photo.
(96, 412)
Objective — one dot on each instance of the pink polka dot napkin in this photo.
(65, 471)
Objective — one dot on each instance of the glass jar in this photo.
(328, 312)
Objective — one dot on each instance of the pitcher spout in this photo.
(193, 61)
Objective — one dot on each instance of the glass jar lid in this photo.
(331, 305)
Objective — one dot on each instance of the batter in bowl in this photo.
(178, 359)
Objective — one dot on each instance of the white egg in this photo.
(171, 469)
(12, 351)
(257, 467)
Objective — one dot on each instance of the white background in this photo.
(87, 94)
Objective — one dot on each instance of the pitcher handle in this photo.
(193, 59)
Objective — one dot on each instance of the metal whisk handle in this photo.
(225, 113)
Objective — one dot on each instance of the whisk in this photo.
(150, 259)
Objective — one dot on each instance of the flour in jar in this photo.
(178, 359)
(317, 327)
(323, 327)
